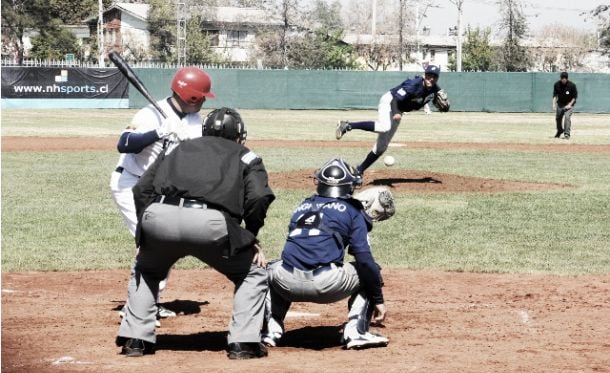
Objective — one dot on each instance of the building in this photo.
(125, 28)
(380, 52)
(232, 31)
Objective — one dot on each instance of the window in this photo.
(236, 38)
(213, 38)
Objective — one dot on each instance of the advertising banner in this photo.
(58, 87)
(47, 82)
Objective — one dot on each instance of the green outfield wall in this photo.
(303, 89)
(299, 89)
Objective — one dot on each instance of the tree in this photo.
(54, 44)
(602, 15)
(378, 55)
(162, 29)
(321, 49)
(16, 20)
(325, 15)
(477, 52)
(513, 22)
(198, 46)
(562, 48)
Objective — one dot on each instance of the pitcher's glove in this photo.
(378, 202)
(441, 101)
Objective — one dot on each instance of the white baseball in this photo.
(388, 160)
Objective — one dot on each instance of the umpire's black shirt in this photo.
(224, 174)
(565, 92)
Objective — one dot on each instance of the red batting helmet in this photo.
(192, 84)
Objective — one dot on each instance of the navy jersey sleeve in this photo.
(367, 268)
(134, 142)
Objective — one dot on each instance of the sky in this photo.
(538, 13)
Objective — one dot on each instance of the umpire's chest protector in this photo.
(206, 168)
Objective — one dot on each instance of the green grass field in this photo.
(57, 213)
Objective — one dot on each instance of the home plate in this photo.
(301, 314)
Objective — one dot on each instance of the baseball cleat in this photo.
(558, 134)
(271, 339)
(342, 128)
(163, 312)
(366, 340)
(246, 350)
(134, 347)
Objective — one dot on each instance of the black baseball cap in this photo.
(563, 75)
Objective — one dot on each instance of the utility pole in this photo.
(100, 33)
(181, 31)
(458, 58)
(401, 20)
(417, 33)
(374, 19)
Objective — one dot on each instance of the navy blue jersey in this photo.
(343, 225)
(412, 94)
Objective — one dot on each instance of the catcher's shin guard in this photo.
(360, 313)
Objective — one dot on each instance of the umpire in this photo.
(192, 201)
(564, 99)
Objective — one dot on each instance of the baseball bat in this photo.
(131, 76)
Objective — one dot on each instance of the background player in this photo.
(412, 94)
(312, 267)
(143, 140)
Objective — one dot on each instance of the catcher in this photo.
(312, 267)
(410, 95)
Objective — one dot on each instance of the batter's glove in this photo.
(441, 101)
(167, 128)
(378, 202)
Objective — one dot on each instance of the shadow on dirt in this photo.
(206, 341)
(392, 181)
(313, 337)
(181, 307)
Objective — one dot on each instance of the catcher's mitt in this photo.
(441, 101)
(378, 202)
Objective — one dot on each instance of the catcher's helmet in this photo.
(225, 122)
(192, 84)
(433, 70)
(335, 179)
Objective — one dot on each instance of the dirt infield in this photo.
(437, 321)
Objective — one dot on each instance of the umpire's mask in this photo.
(225, 122)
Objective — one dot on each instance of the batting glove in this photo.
(167, 128)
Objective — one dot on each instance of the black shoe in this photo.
(246, 350)
(133, 347)
(559, 132)
(567, 137)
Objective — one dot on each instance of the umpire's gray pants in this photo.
(566, 116)
(287, 286)
(171, 233)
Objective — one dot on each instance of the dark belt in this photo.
(184, 202)
(121, 169)
(315, 272)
